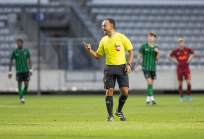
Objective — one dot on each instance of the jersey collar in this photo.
(150, 46)
(113, 35)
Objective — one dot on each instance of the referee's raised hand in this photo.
(87, 46)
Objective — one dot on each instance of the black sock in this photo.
(109, 105)
(122, 100)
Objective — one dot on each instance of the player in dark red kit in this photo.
(183, 59)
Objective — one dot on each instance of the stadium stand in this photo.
(168, 21)
(11, 27)
(81, 19)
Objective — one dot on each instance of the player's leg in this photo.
(180, 82)
(26, 82)
(109, 84)
(181, 89)
(19, 78)
(152, 97)
(153, 77)
(20, 92)
(25, 87)
(149, 90)
(147, 75)
(188, 81)
(187, 75)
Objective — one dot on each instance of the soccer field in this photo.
(83, 117)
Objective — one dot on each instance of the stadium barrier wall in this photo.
(55, 81)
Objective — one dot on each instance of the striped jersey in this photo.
(21, 57)
(149, 57)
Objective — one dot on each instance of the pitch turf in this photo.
(84, 117)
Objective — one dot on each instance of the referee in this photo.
(114, 45)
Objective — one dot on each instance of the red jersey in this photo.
(182, 56)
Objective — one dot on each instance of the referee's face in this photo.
(106, 26)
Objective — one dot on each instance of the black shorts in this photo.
(24, 76)
(113, 72)
(150, 74)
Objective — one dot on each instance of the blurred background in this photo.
(53, 31)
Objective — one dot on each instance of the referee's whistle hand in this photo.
(128, 69)
(87, 46)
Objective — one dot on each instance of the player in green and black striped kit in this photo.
(150, 54)
(23, 70)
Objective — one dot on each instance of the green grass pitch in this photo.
(83, 117)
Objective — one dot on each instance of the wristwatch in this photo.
(129, 64)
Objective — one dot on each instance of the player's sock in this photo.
(181, 91)
(148, 98)
(122, 100)
(109, 105)
(150, 91)
(20, 91)
(152, 98)
(189, 90)
(25, 89)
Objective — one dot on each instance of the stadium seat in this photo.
(168, 22)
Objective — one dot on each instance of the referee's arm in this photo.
(131, 55)
(94, 54)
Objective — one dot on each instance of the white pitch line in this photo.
(7, 106)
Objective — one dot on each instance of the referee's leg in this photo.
(109, 101)
(109, 84)
(122, 98)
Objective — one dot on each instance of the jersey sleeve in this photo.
(190, 51)
(141, 49)
(173, 53)
(28, 55)
(127, 43)
(100, 50)
(13, 56)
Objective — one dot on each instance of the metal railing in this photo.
(74, 57)
(78, 26)
(31, 28)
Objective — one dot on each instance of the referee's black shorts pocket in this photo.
(109, 78)
(123, 80)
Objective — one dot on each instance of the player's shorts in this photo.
(24, 76)
(113, 72)
(183, 72)
(150, 74)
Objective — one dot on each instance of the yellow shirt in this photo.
(114, 48)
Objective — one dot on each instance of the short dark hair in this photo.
(19, 40)
(152, 34)
(111, 21)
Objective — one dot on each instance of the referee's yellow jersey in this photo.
(114, 48)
